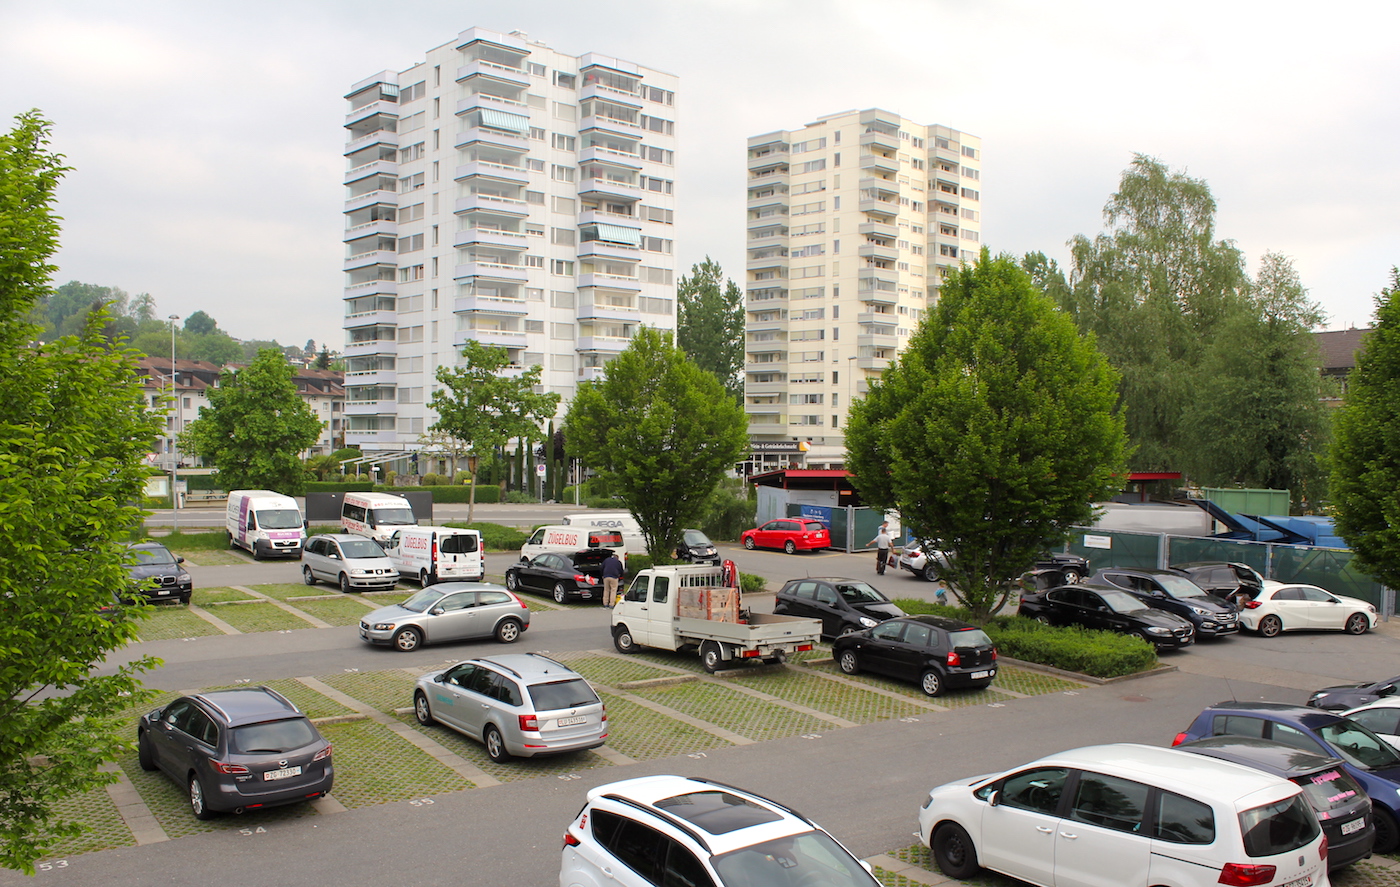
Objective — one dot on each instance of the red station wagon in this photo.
(791, 534)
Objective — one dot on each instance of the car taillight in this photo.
(433, 554)
(570, 840)
(1180, 738)
(954, 658)
(529, 722)
(605, 713)
(523, 605)
(222, 767)
(1250, 605)
(1243, 874)
(1322, 850)
(322, 754)
(585, 580)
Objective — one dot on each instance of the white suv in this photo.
(671, 830)
(1127, 815)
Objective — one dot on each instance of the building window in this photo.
(560, 266)
(563, 142)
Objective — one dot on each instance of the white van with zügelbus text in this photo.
(376, 515)
(560, 538)
(268, 524)
(620, 521)
(437, 554)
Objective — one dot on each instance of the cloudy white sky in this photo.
(206, 137)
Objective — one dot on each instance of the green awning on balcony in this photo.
(504, 120)
(619, 234)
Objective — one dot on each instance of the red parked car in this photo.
(791, 534)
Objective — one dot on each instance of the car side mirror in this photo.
(179, 560)
(305, 525)
(440, 678)
(333, 556)
(437, 611)
(994, 799)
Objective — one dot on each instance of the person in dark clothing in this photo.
(612, 574)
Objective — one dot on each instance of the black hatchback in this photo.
(935, 652)
(1342, 806)
(1169, 590)
(841, 604)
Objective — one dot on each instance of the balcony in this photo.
(603, 311)
(607, 155)
(377, 137)
(388, 109)
(501, 206)
(878, 340)
(591, 374)
(606, 189)
(369, 440)
(490, 237)
(767, 235)
(878, 229)
(759, 389)
(880, 163)
(610, 281)
(882, 252)
(370, 198)
(594, 216)
(371, 408)
(370, 348)
(767, 366)
(875, 138)
(884, 318)
(489, 136)
(374, 257)
(494, 102)
(385, 167)
(598, 90)
(878, 364)
(505, 338)
(878, 206)
(483, 68)
(372, 377)
(603, 249)
(516, 175)
(370, 318)
(611, 124)
(609, 344)
(372, 288)
(491, 271)
(765, 295)
(490, 305)
(387, 227)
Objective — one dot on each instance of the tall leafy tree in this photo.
(255, 428)
(72, 436)
(993, 432)
(323, 360)
(1365, 452)
(1257, 418)
(200, 324)
(484, 409)
(710, 324)
(660, 431)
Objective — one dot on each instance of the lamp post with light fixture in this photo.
(174, 436)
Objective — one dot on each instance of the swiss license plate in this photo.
(163, 591)
(285, 773)
(1305, 881)
(569, 722)
(979, 674)
(1354, 826)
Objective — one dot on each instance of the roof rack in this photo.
(673, 820)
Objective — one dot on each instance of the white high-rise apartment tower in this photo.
(852, 223)
(504, 192)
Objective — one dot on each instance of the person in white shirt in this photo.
(882, 542)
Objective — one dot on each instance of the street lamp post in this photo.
(174, 436)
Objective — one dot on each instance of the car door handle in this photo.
(1044, 829)
(1069, 836)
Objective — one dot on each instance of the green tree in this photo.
(1257, 419)
(1365, 452)
(323, 360)
(200, 324)
(255, 428)
(483, 409)
(74, 432)
(710, 324)
(1154, 290)
(660, 431)
(993, 432)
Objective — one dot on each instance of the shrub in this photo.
(342, 486)
(517, 497)
(637, 563)
(727, 511)
(750, 583)
(495, 537)
(447, 493)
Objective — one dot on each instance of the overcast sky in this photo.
(206, 138)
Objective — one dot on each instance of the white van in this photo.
(434, 554)
(572, 539)
(266, 523)
(621, 521)
(376, 515)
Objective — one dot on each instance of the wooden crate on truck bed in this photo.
(712, 603)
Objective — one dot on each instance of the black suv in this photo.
(935, 652)
(236, 750)
(157, 573)
(1169, 590)
(696, 548)
(1234, 582)
(841, 604)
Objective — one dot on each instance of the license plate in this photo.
(281, 774)
(980, 674)
(1354, 826)
(569, 722)
(163, 591)
(1305, 881)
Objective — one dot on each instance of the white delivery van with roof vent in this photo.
(376, 515)
(435, 554)
(266, 523)
(621, 521)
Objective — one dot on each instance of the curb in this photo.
(1080, 676)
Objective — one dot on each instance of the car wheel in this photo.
(749, 543)
(711, 657)
(425, 579)
(344, 584)
(508, 632)
(953, 851)
(1387, 835)
(421, 710)
(511, 582)
(560, 595)
(622, 640)
(307, 576)
(198, 805)
(790, 547)
(407, 640)
(495, 745)
(848, 662)
(1270, 626)
(930, 572)
(1357, 623)
(931, 683)
(143, 753)
(1043, 619)
(1073, 577)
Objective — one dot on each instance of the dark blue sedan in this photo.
(1369, 759)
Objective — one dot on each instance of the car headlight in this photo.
(1201, 611)
(383, 626)
(1155, 630)
(359, 572)
(867, 622)
(183, 577)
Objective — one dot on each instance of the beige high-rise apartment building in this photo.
(852, 223)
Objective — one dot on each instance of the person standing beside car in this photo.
(612, 574)
(882, 543)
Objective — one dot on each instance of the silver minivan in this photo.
(352, 562)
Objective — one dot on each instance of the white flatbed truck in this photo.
(682, 607)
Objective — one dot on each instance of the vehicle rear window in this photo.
(562, 694)
(969, 637)
(1278, 828)
(458, 543)
(272, 736)
(1329, 789)
(608, 539)
(812, 526)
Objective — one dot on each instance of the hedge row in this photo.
(1103, 654)
(494, 537)
(486, 494)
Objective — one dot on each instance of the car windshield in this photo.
(859, 593)
(1121, 602)
(1360, 746)
(272, 737)
(562, 694)
(1180, 587)
(154, 556)
(361, 547)
(808, 858)
(279, 518)
(421, 601)
(397, 517)
(695, 538)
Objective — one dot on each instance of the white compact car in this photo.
(1381, 717)
(1288, 606)
(1120, 815)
